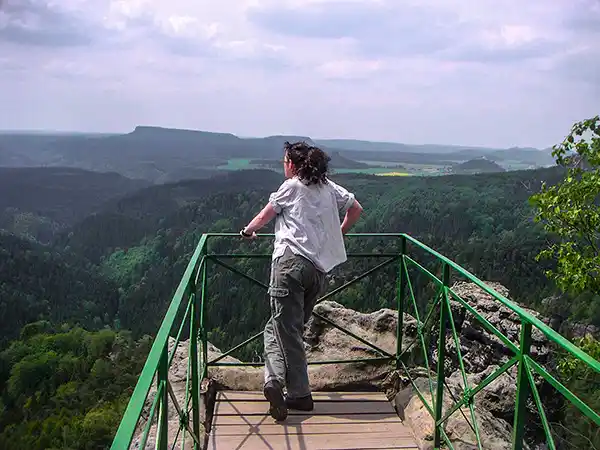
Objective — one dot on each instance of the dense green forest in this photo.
(37, 202)
(112, 264)
(141, 242)
(38, 282)
(66, 387)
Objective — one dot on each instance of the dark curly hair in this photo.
(311, 163)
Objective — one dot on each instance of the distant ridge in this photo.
(153, 130)
(161, 154)
(385, 146)
(346, 144)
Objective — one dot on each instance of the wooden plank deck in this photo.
(340, 421)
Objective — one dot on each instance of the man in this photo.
(308, 244)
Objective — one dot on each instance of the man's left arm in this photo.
(267, 214)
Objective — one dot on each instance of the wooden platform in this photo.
(340, 420)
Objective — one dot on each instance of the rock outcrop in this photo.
(482, 354)
(556, 310)
(324, 342)
(495, 434)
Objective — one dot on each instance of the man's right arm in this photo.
(352, 215)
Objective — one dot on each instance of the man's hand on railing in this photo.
(248, 236)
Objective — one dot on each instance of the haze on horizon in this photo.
(488, 73)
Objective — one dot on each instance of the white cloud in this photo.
(349, 69)
(492, 72)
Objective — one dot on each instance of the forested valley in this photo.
(86, 275)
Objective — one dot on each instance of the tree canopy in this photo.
(570, 210)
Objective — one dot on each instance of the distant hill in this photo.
(338, 161)
(278, 141)
(531, 156)
(406, 157)
(374, 146)
(38, 201)
(152, 153)
(162, 155)
(480, 165)
(435, 154)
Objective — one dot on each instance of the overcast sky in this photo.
(473, 72)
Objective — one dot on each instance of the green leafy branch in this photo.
(570, 210)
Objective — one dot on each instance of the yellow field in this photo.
(393, 174)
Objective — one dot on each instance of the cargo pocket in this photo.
(280, 271)
(276, 295)
(278, 292)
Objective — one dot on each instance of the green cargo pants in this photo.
(294, 287)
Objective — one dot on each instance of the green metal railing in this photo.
(192, 295)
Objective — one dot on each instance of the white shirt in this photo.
(308, 221)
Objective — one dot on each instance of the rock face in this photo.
(555, 309)
(579, 330)
(482, 354)
(495, 434)
(177, 379)
(479, 347)
(324, 342)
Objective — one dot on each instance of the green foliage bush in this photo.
(575, 429)
(571, 211)
(67, 389)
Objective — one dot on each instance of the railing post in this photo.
(439, 400)
(400, 301)
(203, 334)
(163, 416)
(523, 388)
(195, 321)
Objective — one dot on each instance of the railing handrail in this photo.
(157, 362)
(128, 424)
(523, 315)
(135, 406)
